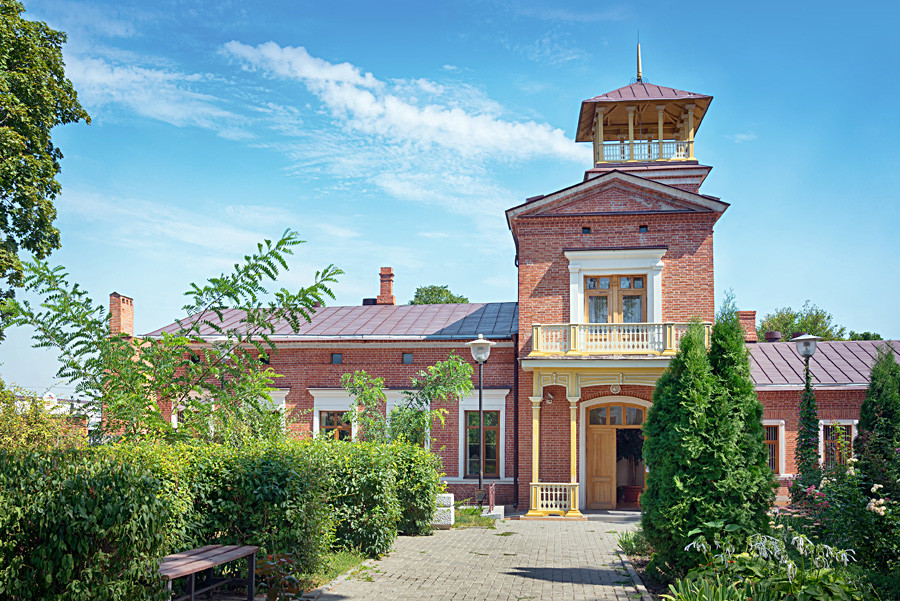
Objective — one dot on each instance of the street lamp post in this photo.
(481, 350)
(807, 449)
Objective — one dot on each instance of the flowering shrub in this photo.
(786, 565)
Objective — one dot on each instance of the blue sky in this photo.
(397, 133)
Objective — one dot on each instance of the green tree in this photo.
(806, 450)
(879, 424)
(684, 455)
(445, 381)
(27, 424)
(753, 485)
(864, 336)
(705, 449)
(436, 295)
(368, 392)
(35, 96)
(810, 319)
(209, 369)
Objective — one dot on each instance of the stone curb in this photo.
(318, 592)
(638, 584)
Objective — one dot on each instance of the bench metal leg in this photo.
(192, 585)
(251, 577)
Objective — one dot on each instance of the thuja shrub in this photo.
(79, 526)
(704, 465)
(362, 493)
(418, 483)
(269, 495)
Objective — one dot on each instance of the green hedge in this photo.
(418, 483)
(77, 526)
(92, 523)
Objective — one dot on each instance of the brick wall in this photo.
(121, 314)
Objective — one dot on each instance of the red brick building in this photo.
(610, 272)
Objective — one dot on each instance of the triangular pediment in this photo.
(618, 192)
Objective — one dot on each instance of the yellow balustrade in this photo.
(554, 498)
(610, 338)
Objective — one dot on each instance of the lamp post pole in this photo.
(480, 427)
(807, 448)
(481, 350)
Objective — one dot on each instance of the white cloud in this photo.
(550, 49)
(156, 93)
(743, 137)
(389, 111)
(563, 15)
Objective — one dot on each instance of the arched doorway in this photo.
(601, 473)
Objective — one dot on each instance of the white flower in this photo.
(876, 487)
(852, 460)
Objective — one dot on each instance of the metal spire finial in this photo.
(639, 78)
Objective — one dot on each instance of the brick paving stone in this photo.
(538, 560)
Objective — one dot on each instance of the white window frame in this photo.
(494, 399)
(835, 422)
(338, 399)
(641, 261)
(781, 445)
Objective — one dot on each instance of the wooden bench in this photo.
(190, 563)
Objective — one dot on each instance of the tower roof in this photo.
(645, 97)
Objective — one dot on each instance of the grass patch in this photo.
(470, 517)
(507, 533)
(336, 563)
(633, 542)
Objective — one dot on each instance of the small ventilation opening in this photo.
(337, 358)
(642, 229)
(585, 230)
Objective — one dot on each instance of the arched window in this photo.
(616, 415)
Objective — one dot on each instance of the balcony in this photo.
(644, 150)
(609, 338)
(552, 498)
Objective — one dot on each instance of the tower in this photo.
(647, 129)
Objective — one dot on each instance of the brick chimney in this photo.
(121, 315)
(387, 287)
(748, 322)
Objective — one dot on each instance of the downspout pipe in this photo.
(516, 421)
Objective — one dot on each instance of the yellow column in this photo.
(659, 113)
(535, 453)
(573, 457)
(598, 137)
(630, 110)
(690, 132)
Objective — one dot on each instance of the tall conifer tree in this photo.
(680, 454)
(752, 496)
(879, 424)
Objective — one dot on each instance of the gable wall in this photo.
(688, 280)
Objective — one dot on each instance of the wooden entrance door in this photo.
(601, 468)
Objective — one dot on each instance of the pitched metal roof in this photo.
(408, 322)
(838, 363)
(645, 91)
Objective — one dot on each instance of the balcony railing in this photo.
(644, 150)
(548, 498)
(610, 338)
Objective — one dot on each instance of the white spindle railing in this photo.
(644, 150)
(610, 338)
(556, 498)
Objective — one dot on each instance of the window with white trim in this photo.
(775, 449)
(836, 440)
(493, 403)
(489, 445)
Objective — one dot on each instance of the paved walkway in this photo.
(516, 561)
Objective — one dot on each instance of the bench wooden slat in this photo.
(171, 562)
(190, 553)
(200, 563)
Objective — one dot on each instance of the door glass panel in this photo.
(591, 284)
(632, 310)
(615, 415)
(598, 309)
(598, 416)
(624, 282)
(634, 416)
(472, 452)
(603, 283)
(638, 283)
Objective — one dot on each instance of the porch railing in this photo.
(644, 150)
(548, 498)
(610, 338)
